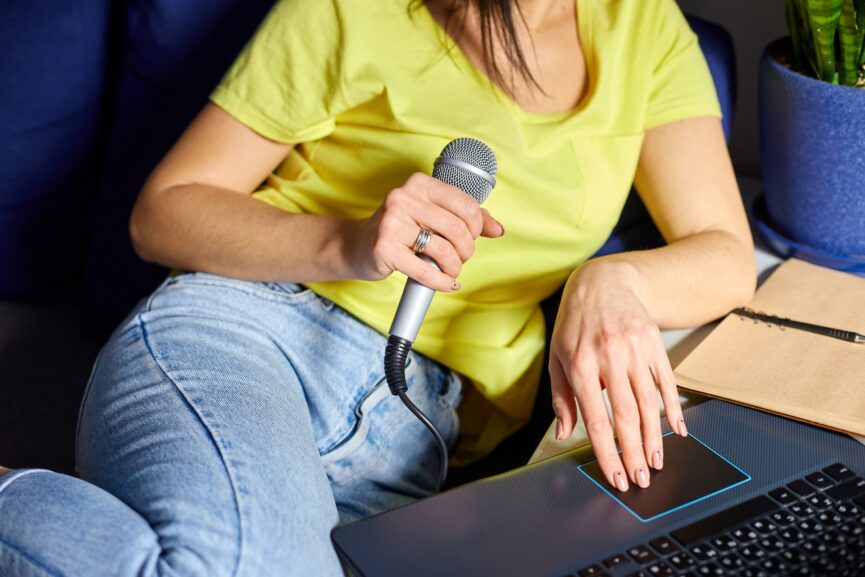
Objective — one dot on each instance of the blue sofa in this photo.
(99, 91)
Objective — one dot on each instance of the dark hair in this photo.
(498, 20)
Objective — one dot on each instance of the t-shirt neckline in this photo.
(584, 30)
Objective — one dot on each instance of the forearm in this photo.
(686, 283)
(205, 228)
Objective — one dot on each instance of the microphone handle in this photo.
(413, 306)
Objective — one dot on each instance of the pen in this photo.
(848, 336)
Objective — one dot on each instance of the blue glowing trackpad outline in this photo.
(692, 472)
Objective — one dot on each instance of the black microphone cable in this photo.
(395, 358)
(471, 166)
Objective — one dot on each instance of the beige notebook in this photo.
(797, 374)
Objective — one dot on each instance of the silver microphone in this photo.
(470, 166)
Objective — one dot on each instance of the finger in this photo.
(445, 255)
(492, 228)
(643, 387)
(564, 403)
(408, 263)
(669, 392)
(446, 225)
(627, 420)
(458, 203)
(600, 431)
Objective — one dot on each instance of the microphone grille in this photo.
(469, 165)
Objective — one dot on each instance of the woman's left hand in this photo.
(604, 338)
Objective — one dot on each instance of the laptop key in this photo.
(801, 510)
(829, 518)
(681, 561)
(792, 535)
(824, 566)
(848, 490)
(664, 546)
(660, 569)
(731, 562)
(616, 560)
(703, 552)
(801, 488)
(839, 472)
(642, 554)
(772, 544)
(782, 518)
(820, 502)
(773, 566)
(711, 569)
(763, 526)
(783, 496)
(753, 572)
(593, 571)
(637, 574)
(810, 527)
(752, 553)
(724, 543)
(820, 480)
(744, 534)
(793, 556)
(852, 530)
(813, 547)
(848, 510)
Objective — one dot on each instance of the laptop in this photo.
(746, 494)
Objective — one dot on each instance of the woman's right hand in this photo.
(384, 242)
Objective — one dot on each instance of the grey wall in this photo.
(752, 24)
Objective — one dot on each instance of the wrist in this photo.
(339, 247)
(605, 274)
(320, 247)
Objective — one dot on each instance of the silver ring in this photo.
(422, 240)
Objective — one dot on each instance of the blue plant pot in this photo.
(812, 140)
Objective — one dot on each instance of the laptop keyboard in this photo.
(814, 526)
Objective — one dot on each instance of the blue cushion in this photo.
(635, 229)
(717, 46)
(53, 67)
(175, 53)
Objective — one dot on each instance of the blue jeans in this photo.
(227, 427)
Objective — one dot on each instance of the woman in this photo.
(239, 413)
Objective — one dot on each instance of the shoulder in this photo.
(347, 15)
(642, 25)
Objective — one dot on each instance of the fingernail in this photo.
(455, 286)
(642, 478)
(683, 430)
(558, 429)
(621, 484)
(658, 460)
(501, 226)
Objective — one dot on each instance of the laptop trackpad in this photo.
(692, 472)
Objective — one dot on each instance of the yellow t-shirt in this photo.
(371, 95)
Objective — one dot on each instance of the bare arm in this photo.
(606, 333)
(686, 181)
(195, 212)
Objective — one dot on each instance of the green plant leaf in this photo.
(850, 44)
(794, 25)
(824, 16)
(860, 23)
